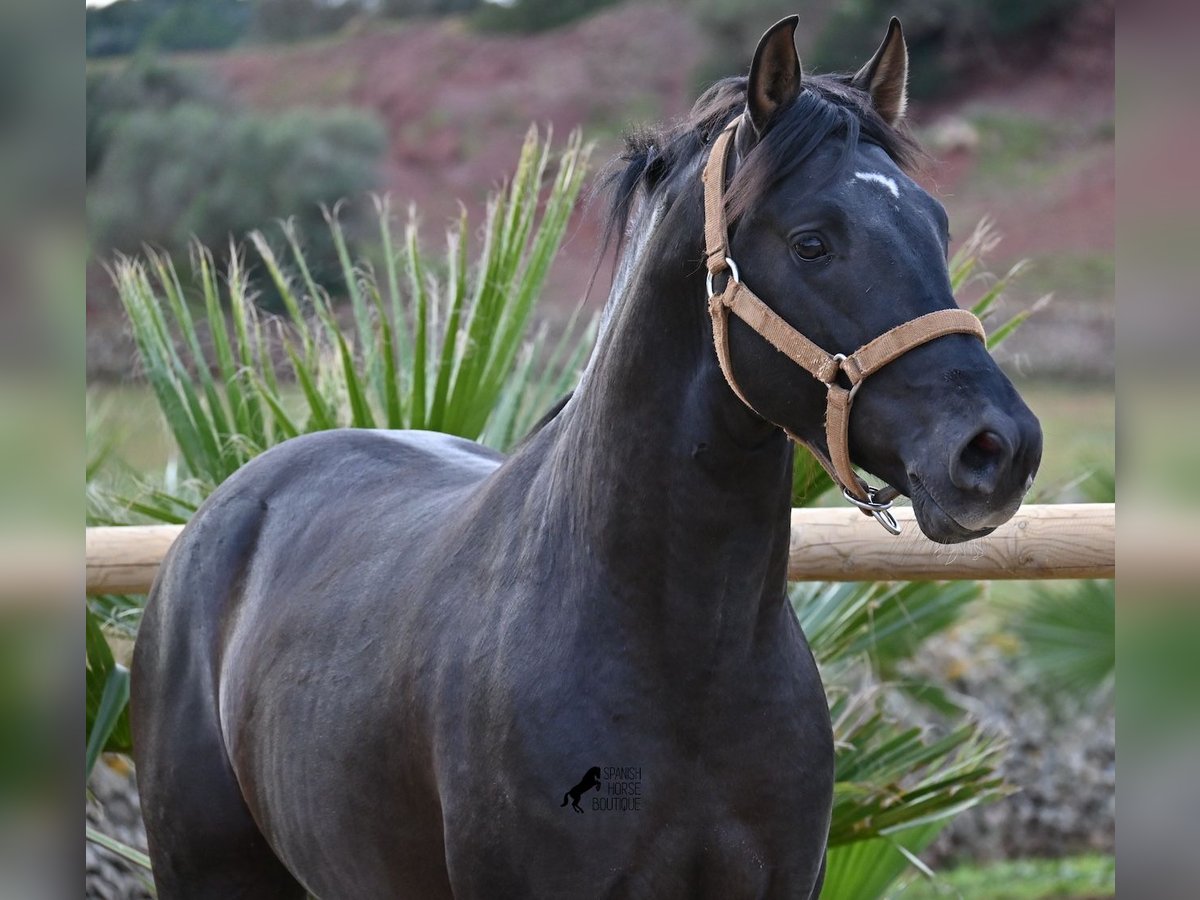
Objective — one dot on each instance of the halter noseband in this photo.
(823, 366)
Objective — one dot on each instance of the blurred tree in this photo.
(291, 20)
(733, 30)
(403, 9)
(198, 171)
(126, 26)
(946, 38)
(146, 85)
(118, 28)
(535, 15)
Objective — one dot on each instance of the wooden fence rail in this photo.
(1042, 542)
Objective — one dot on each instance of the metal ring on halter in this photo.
(869, 504)
(840, 358)
(733, 273)
(885, 518)
(881, 511)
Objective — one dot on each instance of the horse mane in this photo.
(828, 105)
(549, 416)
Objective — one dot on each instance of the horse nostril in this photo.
(986, 443)
(982, 462)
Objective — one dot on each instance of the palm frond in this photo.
(884, 621)
(1070, 636)
(446, 354)
(890, 778)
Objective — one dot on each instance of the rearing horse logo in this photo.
(589, 781)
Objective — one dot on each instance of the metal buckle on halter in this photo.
(733, 274)
(881, 511)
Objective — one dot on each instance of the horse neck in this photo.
(678, 492)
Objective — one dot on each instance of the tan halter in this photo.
(823, 366)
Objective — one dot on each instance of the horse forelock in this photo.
(654, 156)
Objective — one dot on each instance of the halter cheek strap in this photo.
(823, 366)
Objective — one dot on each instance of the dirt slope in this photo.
(456, 104)
(1029, 142)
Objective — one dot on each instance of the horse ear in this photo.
(885, 76)
(775, 74)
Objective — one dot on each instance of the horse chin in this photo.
(937, 524)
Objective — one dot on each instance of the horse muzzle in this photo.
(983, 480)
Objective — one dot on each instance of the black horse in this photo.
(589, 782)
(372, 658)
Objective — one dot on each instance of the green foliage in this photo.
(170, 159)
(403, 9)
(107, 697)
(146, 85)
(867, 868)
(1089, 277)
(1083, 877)
(293, 20)
(884, 621)
(132, 854)
(1022, 151)
(127, 26)
(1070, 636)
(197, 171)
(946, 38)
(536, 15)
(33, 679)
(891, 779)
(1069, 630)
(119, 27)
(733, 31)
(1100, 486)
(895, 787)
(430, 343)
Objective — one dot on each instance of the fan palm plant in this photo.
(437, 343)
(1069, 632)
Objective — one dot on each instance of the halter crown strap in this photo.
(823, 366)
(716, 229)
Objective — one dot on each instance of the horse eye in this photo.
(809, 246)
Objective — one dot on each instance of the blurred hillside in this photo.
(1020, 125)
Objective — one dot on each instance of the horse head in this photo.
(826, 227)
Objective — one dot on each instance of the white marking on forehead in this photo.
(889, 183)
